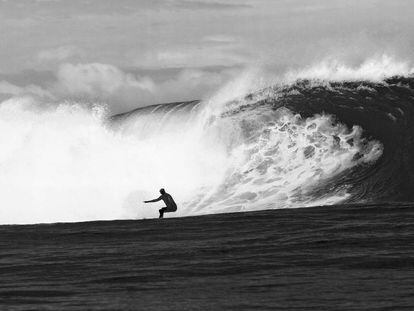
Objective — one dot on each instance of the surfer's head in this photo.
(162, 190)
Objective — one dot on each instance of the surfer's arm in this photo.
(155, 200)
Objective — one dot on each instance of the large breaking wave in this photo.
(303, 143)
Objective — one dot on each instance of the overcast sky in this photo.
(131, 53)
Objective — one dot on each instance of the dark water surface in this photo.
(330, 258)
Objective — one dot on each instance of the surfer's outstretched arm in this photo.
(155, 200)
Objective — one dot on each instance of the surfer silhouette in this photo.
(170, 205)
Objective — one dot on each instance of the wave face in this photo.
(303, 144)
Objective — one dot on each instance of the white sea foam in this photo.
(280, 157)
(373, 69)
(66, 164)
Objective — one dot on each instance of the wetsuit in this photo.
(169, 202)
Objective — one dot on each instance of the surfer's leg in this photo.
(162, 212)
(170, 209)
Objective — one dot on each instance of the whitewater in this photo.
(322, 135)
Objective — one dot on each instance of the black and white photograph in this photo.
(214, 155)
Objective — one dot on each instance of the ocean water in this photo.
(344, 257)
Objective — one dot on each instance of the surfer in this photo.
(170, 205)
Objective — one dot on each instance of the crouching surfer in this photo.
(170, 205)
